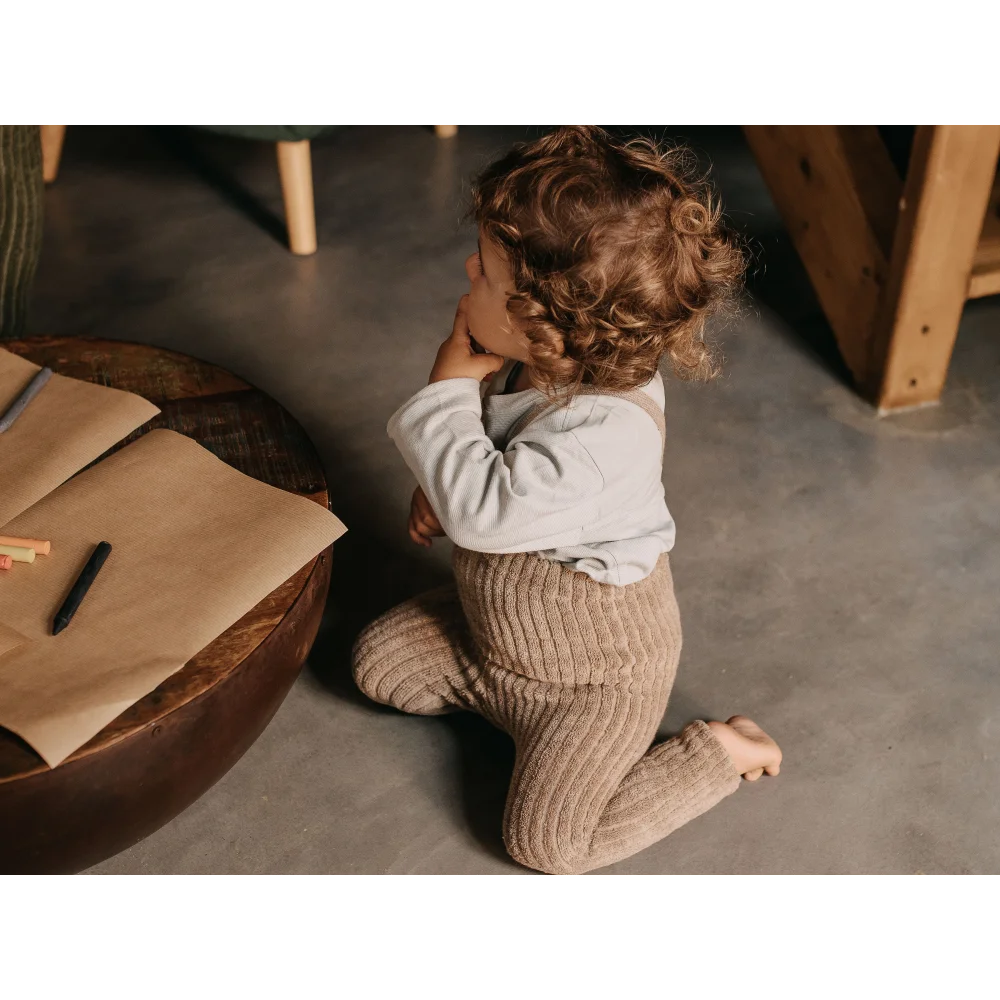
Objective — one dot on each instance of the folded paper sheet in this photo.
(9, 638)
(64, 428)
(196, 545)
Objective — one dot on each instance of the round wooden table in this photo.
(156, 758)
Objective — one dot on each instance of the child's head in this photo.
(605, 255)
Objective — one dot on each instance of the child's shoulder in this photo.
(610, 422)
(622, 409)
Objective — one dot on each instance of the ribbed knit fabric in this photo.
(20, 222)
(578, 673)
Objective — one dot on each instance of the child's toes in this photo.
(773, 769)
(754, 774)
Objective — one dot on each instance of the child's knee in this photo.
(382, 651)
(536, 844)
(375, 679)
(368, 667)
(392, 675)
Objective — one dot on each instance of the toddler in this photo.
(537, 447)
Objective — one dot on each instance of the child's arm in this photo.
(538, 494)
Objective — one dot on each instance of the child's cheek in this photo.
(475, 313)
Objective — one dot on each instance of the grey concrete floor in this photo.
(837, 575)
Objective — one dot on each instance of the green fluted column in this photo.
(21, 193)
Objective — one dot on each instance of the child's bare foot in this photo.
(754, 752)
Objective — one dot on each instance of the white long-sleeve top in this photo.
(581, 485)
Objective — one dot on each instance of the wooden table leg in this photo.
(295, 168)
(891, 263)
(837, 191)
(940, 219)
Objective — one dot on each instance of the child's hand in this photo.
(424, 524)
(457, 359)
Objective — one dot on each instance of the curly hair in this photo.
(618, 252)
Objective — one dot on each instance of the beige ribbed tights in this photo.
(578, 673)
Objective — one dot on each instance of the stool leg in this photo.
(52, 144)
(295, 168)
(445, 131)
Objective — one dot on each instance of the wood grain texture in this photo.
(985, 277)
(240, 425)
(948, 185)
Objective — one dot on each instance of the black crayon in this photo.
(79, 589)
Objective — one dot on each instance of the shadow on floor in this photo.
(368, 579)
(195, 151)
(166, 151)
(487, 763)
(777, 280)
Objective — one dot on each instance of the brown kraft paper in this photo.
(195, 545)
(62, 430)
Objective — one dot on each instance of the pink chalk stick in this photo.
(41, 548)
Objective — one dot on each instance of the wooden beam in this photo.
(985, 277)
(951, 172)
(837, 191)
